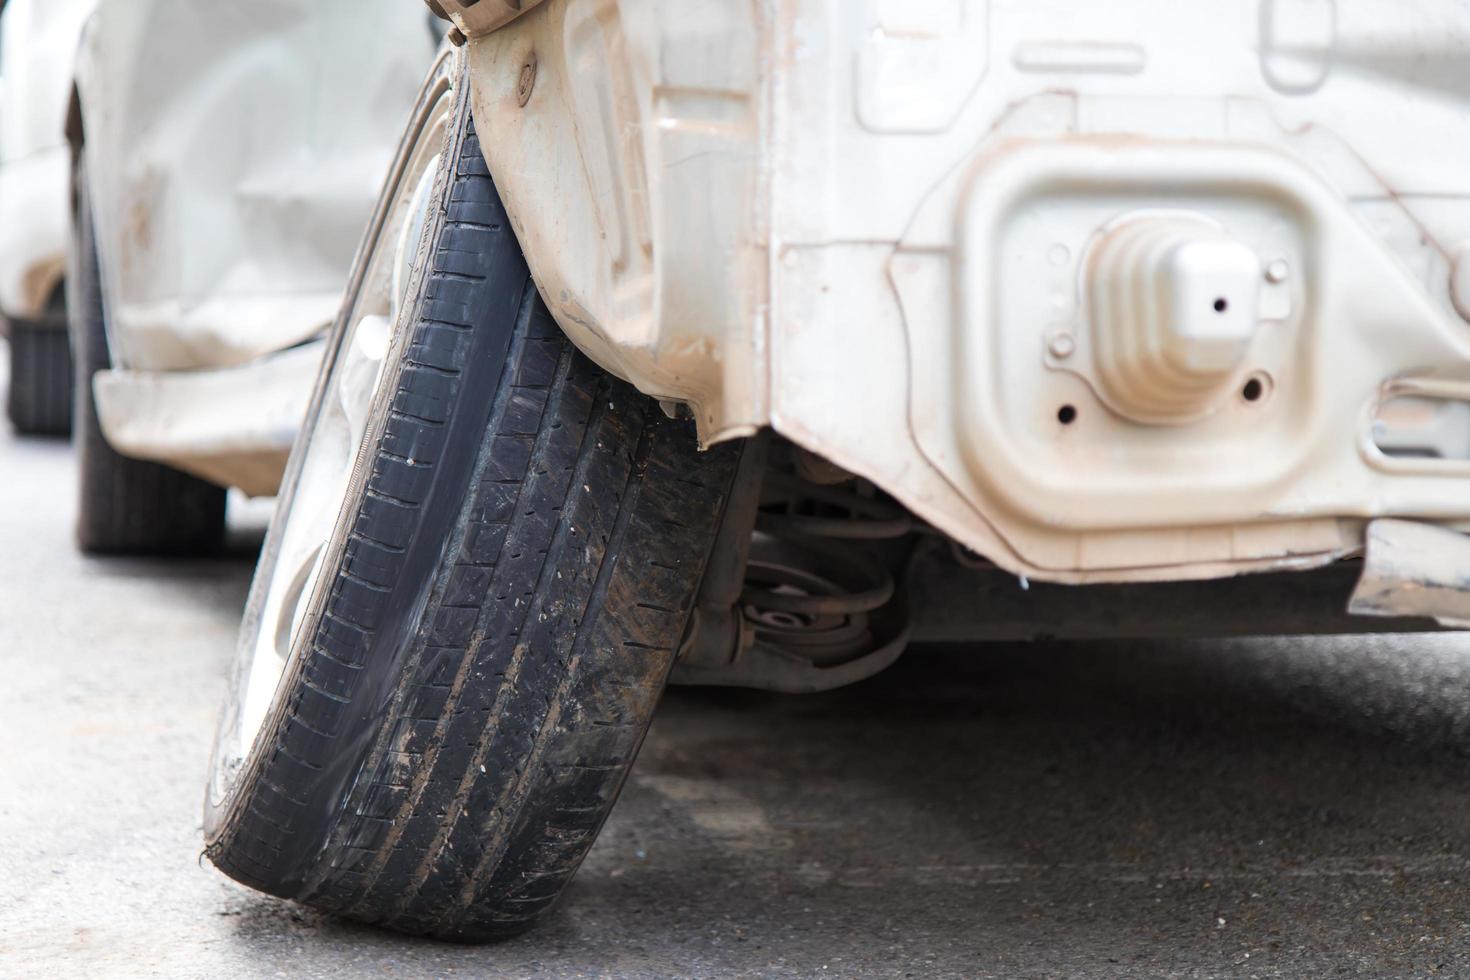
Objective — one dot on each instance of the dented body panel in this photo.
(633, 175)
(234, 154)
(1107, 292)
(238, 149)
(233, 426)
(1414, 569)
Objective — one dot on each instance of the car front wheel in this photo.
(482, 563)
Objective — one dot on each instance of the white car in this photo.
(226, 161)
(38, 42)
(745, 342)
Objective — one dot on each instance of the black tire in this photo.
(125, 506)
(40, 397)
(516, 560)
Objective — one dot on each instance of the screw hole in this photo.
(1253, 390)
(1067, 414)
(1222, 304)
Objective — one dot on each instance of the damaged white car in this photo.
(747, 343)
(225, 160)
(38, 42)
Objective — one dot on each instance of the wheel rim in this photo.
(331, 447)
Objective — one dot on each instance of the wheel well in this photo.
(73, 128)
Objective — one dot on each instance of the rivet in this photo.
(1277, 271)
(1061, 345)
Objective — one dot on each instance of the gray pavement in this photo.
(1268, 808)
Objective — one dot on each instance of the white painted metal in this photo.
(233, 425)
(38, 41)
(1416, 570)
(235, 153)
(871, 224)
(1173, 308)
(237, 150)
(1411, 426)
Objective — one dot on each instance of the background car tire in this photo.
(39, 402)
(125, 505)
(517, 556)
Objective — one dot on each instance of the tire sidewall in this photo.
(225, 791)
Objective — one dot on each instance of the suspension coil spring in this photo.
(810, 587)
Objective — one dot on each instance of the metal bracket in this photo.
(476, 18)
(1414, 569)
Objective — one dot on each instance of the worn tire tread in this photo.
(550, 629)
(39, 401)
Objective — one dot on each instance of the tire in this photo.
(515, 560)
(125, 505)
(39, 402)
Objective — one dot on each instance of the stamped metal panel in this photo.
(627, 142)
(235, 151)
(816, 215)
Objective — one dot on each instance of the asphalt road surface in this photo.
(1268, 808)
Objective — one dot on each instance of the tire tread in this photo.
(125, 505)
(39, 401)
(549, 630)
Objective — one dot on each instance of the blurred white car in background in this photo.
(226, 159)
(38, 42)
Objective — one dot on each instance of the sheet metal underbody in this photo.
(882, 228)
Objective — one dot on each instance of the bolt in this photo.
(456, 37)
(1061, 345)
(1277, 271)
(527, 80)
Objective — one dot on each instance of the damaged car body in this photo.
(748, 344)
(221, 164)
(1094, 314)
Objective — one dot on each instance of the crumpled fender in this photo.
(233, 156)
